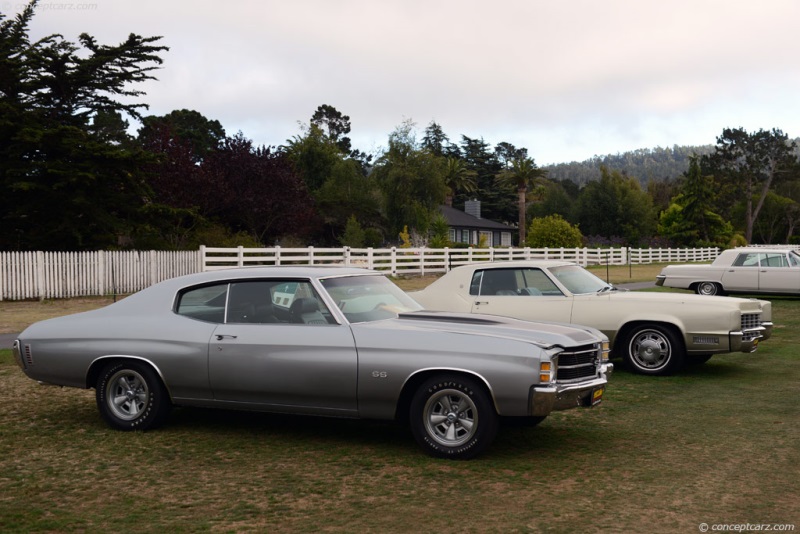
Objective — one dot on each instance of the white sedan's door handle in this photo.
(220, 337)
(479, 302)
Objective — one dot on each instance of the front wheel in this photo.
(653, 350)
(708, 288)
(453, 417)
(130, 396)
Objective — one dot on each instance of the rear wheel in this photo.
(130, 396)
(453, 417)
(708, 288)
(653, 350)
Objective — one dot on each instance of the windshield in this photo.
(368, 298)
(578, 280)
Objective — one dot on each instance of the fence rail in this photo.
(44, 275)
(403, 261)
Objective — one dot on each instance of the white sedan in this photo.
(739, 270)
(655, 333)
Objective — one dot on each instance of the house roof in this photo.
(458, 218)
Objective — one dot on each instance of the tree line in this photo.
(73, 177)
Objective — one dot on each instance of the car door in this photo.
(525, 293)
(308, 365)
(777, 275)
(742, 275)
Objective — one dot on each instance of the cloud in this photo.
(566, 80)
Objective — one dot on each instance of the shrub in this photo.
(553, 231)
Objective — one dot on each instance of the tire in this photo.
(651, 349)
(130, 396)
(708, 288)
(453, 417)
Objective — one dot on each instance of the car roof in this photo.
(519, 263)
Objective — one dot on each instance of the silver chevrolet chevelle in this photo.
(329, 341)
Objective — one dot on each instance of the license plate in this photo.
(597, 396)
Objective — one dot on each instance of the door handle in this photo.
(220, 337)
(479, 302)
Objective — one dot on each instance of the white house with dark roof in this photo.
(468, 227)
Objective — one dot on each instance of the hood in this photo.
(544, 334)
(715, 302)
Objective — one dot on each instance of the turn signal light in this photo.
(545, 371)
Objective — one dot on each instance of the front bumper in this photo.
(555, 397)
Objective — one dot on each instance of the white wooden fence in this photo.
(44, 275)
(404, 261)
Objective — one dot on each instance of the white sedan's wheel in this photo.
(708, 288)
(653, 350)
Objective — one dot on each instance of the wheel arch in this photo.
(98, 364)
(414, 381)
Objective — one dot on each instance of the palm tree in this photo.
(522, 174)
(458, 178)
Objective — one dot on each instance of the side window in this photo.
(296, 301)
(535, 282)
(774, 260)
(206, 303)
(500, 282)
(747, 260)
(475, 285)
(251, 302)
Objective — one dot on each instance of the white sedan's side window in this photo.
(747, 260)
(774, 260)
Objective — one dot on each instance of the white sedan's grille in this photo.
(750, 323)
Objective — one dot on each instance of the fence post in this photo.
(202, 258)
(346, 256)
(40, 275)
(393, 265)
(277, 255)
(370, 263)
(240, 256)
(311, 255)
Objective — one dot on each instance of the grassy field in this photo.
(715, 444)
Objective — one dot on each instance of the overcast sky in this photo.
(566, 79)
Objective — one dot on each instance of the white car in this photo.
(739, 270)
(655, 333)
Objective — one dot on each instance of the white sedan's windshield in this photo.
(368, 298)
(578, 280)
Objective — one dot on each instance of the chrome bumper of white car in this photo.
(550, 398)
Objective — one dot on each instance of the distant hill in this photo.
(645, 164)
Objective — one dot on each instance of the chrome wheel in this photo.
(707, 288)
(653, 350)
(131, 396)
(128, 394)
(451, 417)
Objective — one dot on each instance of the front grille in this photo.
(750, 321)
(576, 364)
